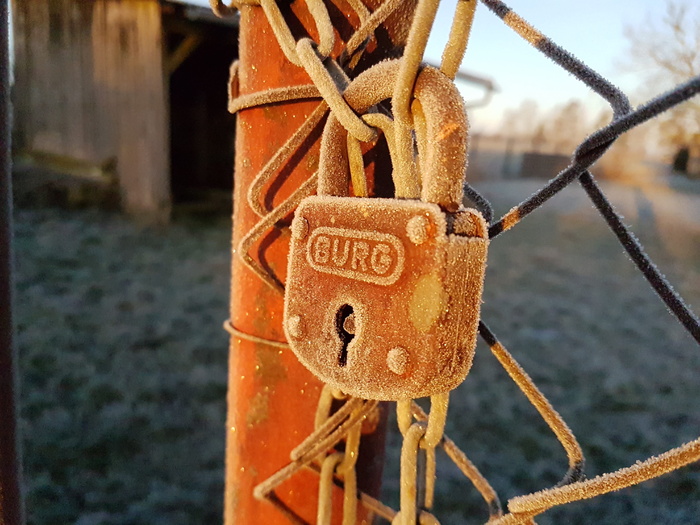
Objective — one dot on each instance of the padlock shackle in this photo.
(444, 121)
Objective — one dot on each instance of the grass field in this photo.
(123, 363)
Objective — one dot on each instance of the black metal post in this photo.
(11, 507)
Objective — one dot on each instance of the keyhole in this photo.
(345, 326)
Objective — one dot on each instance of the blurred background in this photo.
(123, 151)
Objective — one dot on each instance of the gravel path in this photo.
(123, 363)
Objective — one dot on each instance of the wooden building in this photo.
(133, 87)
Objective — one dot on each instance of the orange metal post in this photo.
(272, 398)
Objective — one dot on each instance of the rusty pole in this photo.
(272, 398)
(11, 508)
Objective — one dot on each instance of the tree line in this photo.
(663, 52)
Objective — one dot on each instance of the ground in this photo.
(123, 362)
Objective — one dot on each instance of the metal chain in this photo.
(321, 18)
(423, 433)
(331, 81)
(403, 91)
(329, 432)
(341, 464)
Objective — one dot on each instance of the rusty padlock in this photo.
(383, 295)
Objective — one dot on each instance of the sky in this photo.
(593, 31)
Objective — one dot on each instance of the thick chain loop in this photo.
(325, 488)
(331, 82)
(325, 72)
(340, 464)
(286, 40)
(436, 420)
(409, 512)
(426, 435)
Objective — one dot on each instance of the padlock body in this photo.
(380, 301)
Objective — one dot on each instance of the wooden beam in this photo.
(183, 50)
(104, 171)
(128, 71)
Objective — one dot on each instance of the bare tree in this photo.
(560, 130)
(666, 52)
(567, 127)
(624, 159)
(518, 123)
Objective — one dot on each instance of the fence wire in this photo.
(593, 148)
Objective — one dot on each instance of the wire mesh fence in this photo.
(515, 160)
(577, 326)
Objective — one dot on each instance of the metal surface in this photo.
(11, 508)
(269, 391)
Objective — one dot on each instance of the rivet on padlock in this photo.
(300, 228)
(383, 295)
(397, 360)
(418, 229)
(295, 326)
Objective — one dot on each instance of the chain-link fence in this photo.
(347, 95)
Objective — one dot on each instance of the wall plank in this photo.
(90, 85)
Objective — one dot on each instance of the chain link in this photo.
(331, 429)
(459, 37)
(325, 488)
(331, 81)
(403, 89)
(286, 40)
(409, 475)
(341, 464)
(425, 434)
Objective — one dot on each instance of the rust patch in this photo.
(273, 113)
(269, 368)
(447, 130)
(259, 410)
(269, 371)
(511, 218)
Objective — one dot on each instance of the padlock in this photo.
(383, 295)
